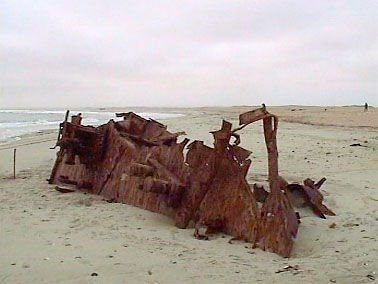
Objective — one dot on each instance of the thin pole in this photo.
(14, 163)
(61, 126)
(67, 114)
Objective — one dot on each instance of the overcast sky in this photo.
(187, 53)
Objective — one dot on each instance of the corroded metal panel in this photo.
(139, 162)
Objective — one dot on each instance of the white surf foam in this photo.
(14, 123)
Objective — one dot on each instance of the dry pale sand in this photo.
(49, 237)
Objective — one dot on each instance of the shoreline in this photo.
(16, 123)
(308, 115)
(34, 142)
(64, 238)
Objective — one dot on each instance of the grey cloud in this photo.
(187, 53)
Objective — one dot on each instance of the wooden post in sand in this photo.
(14, 163)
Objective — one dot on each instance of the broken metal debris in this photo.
(64, 189)
(357, 144)
(371, 276)
(311, 195)
(289, 268)
(138, 162)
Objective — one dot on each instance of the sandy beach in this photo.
(50, 237)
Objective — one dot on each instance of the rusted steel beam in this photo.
(279, 223)
(252, 116)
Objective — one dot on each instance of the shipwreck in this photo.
(137, 161)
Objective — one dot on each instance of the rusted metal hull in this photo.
(138, 162)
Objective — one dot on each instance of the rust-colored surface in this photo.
(138, 162)
(311, 195)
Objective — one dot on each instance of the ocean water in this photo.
(14, 123)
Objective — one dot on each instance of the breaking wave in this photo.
(14, 122)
